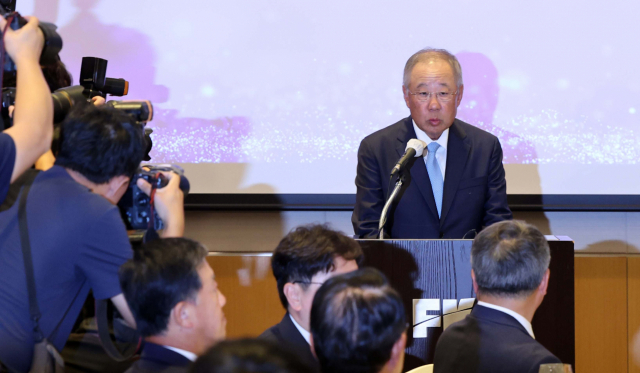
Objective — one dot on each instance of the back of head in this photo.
(100, 143)
(248, 356)
(509, 259)
(308, 250)
(161, 274)
(356, 319)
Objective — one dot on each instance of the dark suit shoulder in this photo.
(489, 341)
(475, 133)
(387, 134)
(270, 334)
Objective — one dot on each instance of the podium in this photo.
(434, 279)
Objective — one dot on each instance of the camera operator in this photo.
(32, 130)
(78, 238)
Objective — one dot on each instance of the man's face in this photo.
(212, 324)
(341, 266)
(433, 116)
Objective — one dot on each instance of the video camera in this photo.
(136, 207)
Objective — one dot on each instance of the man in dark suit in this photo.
(510, 272)
(456, 187)
(302, 262)
(175, 300)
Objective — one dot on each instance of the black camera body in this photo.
(52, 40)
(135, 205)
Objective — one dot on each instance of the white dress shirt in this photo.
(441, 153)
(305, 334)
(189, 355)
(521, 319)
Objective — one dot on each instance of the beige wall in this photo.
(607, 269)
(593, 232)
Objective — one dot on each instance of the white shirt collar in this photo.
(305, 334)
(521, 319)
(188, 354)
(421, 135)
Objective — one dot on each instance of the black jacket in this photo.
(286, 335)
(489, 341)
(156, 358)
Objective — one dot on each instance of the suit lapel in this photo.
(457, 155)
(418, 171)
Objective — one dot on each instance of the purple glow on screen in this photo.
(303, 82)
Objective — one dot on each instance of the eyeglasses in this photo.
(307, 282)
(440, 96)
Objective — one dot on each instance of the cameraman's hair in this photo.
(56, 75)
(356, 319)
(248, 356)
(308, 250)
(161, 274)
(509, 259)
(100, 143)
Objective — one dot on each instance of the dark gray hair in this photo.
(509, 259)
(427, 54)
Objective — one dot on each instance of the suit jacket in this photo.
(475, 189)
(286, 334)
(489, 341)
(156, 358)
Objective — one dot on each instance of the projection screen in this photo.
(255, 97)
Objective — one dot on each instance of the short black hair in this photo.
(308, 250)
(356, 319)
(100, 143)
(248, 356)
(161, 274)
(509, 259)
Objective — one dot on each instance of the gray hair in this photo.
(509, 259)
(427, 54)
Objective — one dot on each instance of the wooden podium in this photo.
(434, 279)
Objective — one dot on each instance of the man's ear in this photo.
(459, 95)
(293, 292)
(475, 284)
(183, 315)
(397, 352)
(542, 288)
(117, 187)
(405, 92)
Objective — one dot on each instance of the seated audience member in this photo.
(78, 239)
(358, 324)
(175, 301)
(248, 356)
(510, 272)
(302, 262)
(32, 130)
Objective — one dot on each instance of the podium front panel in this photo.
(434, 279)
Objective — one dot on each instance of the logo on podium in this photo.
(436, 313)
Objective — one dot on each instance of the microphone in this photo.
(414, 148)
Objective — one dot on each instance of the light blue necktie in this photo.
(435, 175)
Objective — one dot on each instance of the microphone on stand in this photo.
(414, 148)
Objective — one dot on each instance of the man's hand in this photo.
(98, 100)
(25, 44)
(169, 203)
(32, 129)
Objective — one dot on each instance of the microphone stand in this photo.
(385, 210)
